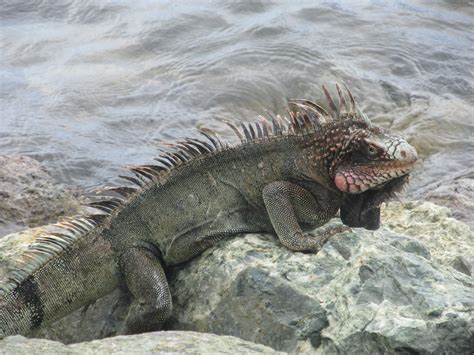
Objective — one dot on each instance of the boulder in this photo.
(405, 288)
(156, 343)
(450, 242)
(366, 292)
(30, 197)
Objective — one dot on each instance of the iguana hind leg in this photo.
(146, 281)
(289, 205)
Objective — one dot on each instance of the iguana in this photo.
(287, 175)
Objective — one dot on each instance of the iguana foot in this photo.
(317, 241)
(143, 317)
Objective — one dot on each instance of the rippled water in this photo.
(88, 88)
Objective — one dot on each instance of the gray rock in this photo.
(156, 343)
(365, 292)
(405, 288)
(449, 241)
(100, 320)
(30, 197)
(456, 191)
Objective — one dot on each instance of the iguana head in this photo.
(366, 163)
(374, 166)
(358, 156)
(370, 158)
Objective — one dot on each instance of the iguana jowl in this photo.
(286, 176)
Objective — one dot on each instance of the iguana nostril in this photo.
(406, 153)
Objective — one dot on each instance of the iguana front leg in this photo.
(288, 205)
(147, 283)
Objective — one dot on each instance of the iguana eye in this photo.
(371, 150)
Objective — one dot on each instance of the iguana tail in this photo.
(64, 269)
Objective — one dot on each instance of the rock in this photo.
(156, 343)
(449, 241)
(100, 320)
(29, 196)
(365, 292)
(456, 191)
(405, 288)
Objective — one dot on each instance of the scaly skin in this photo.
(284, 179)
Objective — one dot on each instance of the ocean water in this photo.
(88, 87)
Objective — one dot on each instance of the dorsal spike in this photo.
(283, 119)
(291, 113)
(310, 106)
(236, 130)
(137, 170)
(252, 131)
(66, 236)
(330, 101)
(215, 142)
(68, 225)
(169, 157)
(165, 160)
(265, 126)
(276, 127)
(101, 206)
(294, 122)
(196, 147)
(209, 148)
(248, 137)
(111, 203)
(97, 218)
(149, 171)
(217, 138)
(181, 156)
(308, 123)
(270, 115)
(363, 116)
(85, 222)
(78, 224)
(124, 191)
(189, 148)
(133, 180)
(259, 130)
(281, 122)
(351, 98)
(314, 118)
(156, 169)
(342, 100)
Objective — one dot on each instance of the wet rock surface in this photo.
(30, 197)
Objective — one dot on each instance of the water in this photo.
(87, 87)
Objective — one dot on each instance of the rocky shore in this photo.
(30, 197)
(405, 288)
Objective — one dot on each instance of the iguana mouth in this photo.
(359, 179)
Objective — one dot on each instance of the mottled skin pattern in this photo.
(279, 180)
